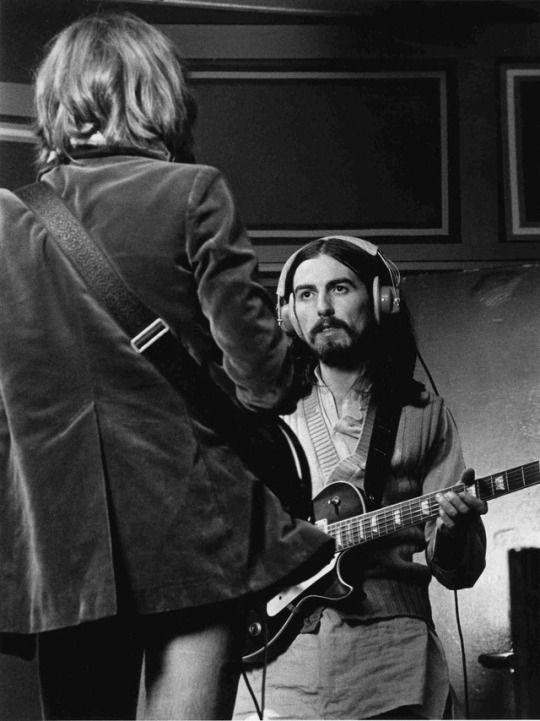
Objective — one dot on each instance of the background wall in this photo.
(473, 290)
(237, 61)
(478, 334)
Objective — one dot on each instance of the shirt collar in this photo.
(361, 384)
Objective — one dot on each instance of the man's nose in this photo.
(324, 305)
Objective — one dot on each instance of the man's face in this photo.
(333, 310)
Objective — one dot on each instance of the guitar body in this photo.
(337, 502)
(274, 624)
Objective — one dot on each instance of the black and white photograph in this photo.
(269, 360)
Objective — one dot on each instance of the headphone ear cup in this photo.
(385, 299)
(289, 321)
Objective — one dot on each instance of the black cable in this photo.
(463, 656)
(456, 603)
(265, 665)
(252, 694)
(426, 370)
(259, 708)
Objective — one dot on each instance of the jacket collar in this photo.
(95, 151)
(84, 152)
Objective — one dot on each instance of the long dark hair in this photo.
(393, 350)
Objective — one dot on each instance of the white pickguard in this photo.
(276, 604)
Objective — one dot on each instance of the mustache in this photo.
(325, 323)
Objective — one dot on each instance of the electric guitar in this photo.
(340, 511)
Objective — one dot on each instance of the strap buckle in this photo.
(149, 335)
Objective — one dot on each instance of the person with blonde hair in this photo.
(132, 526)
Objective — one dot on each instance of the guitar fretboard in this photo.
(370, 526)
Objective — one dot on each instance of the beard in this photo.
(340, 350)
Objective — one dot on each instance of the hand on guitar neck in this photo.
(457, 511)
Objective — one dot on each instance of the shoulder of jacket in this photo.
(195, 170)
(195, 178)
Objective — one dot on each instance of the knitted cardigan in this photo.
(427, 457)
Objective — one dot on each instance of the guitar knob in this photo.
(255, 629)
(335, 501)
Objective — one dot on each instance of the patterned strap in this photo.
(320, 436)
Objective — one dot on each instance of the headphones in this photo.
(386, 298)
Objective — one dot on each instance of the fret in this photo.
(500, 483)
(348, 533)
(361, 532)
(508, 481)
(367, 527)
(407, 511)
(386, 521)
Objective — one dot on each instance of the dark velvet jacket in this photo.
(113, 494)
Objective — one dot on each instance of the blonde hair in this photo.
(117, 75)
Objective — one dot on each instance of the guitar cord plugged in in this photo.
(259, 707)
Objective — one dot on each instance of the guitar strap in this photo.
(251, 433)
(325, 449)
(381, 447)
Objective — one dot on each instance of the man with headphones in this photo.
(365, 422)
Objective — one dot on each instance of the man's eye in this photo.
(305, 294)
(340, 289)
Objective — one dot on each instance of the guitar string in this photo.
(372, 525)
(352, 530)
(363, 530)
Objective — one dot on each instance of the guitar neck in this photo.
(370, 526)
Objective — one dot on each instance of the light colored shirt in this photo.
(356, 671)
(344, 428)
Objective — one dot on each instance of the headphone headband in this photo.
(360, 243)
(386, 298)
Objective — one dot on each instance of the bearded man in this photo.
(366, 423)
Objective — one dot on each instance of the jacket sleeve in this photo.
(444, 468)
(256, 353)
